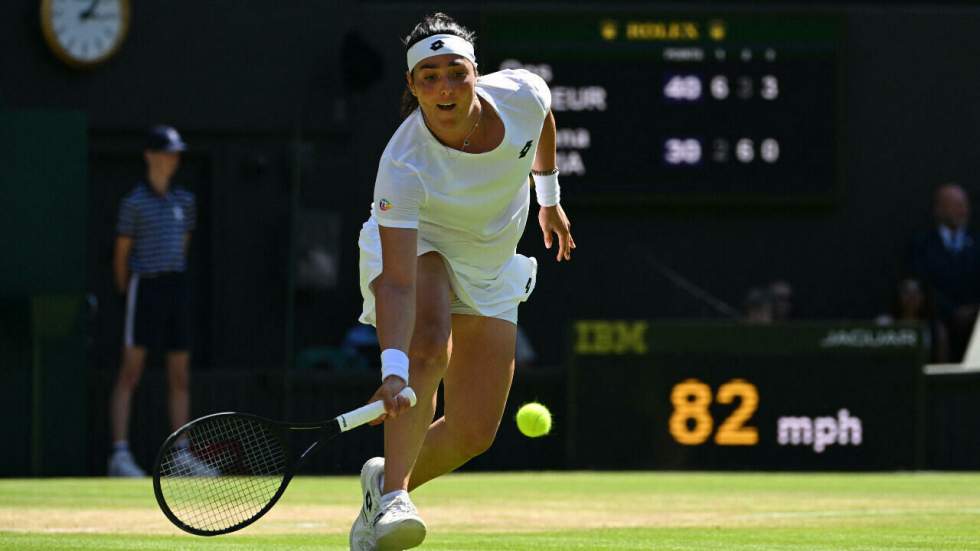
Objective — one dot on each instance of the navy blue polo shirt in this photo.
(157, 223)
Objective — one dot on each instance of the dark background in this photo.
(289, 104)
(245, 85)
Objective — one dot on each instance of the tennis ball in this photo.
(534, 420)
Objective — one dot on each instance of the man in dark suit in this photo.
(947, 260)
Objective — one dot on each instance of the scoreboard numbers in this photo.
(726, 395)
(733, 432)
(691, 422)
(666, 107)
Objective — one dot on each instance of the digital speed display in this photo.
(667, 107)
(803, 396)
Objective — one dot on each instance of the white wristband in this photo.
(394, 362)
(547, 189)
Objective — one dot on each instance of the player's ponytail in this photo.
(431, 24)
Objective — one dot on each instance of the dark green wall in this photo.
(44, 176)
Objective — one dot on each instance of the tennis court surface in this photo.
(537, 511)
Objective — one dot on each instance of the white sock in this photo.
(120, 446)
(390, 496)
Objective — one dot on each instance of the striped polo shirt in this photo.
(157, 223)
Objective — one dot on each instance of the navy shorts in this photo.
(158, 313)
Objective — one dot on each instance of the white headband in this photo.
(440, 44)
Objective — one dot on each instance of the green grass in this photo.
(538, 512)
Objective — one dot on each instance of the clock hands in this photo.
(88, 13)
(84, 33)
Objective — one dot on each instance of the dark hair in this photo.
(431, 24)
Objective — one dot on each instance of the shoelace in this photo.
(398, 505)
(402, 505)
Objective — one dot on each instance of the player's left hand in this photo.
(554, 221)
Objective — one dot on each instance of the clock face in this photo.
(84, 32)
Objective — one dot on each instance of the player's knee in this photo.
(475, 440)
(429, 347)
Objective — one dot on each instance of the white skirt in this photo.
(481, 293)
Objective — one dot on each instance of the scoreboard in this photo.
(802, 396)
(668, 107)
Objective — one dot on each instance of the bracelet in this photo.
(394, 362)
(546, 188)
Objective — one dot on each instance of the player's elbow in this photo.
(393, 290)
(395, 281)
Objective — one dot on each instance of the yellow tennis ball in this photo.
(534, 420)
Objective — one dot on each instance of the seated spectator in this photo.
(362, 341)
(909, 306)
(947, 260)
(524, 354)
(782, 300)
(911, 301)
(759, 306)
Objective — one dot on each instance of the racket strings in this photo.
(225, 472)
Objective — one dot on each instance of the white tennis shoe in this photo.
(399, 525)
(121, 463)
(362, 532)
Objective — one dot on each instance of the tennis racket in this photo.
(222, 472)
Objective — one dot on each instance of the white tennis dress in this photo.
(471, 208)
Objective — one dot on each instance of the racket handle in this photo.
(370, 412)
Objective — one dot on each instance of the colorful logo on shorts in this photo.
(384, 205)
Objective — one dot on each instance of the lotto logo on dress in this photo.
(384, 205)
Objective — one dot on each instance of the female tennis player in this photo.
(439, 272)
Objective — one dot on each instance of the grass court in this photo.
(536, 512)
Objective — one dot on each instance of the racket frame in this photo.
(328, 429)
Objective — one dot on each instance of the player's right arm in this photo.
(394, 292)
(120, 264)
(398, 194)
